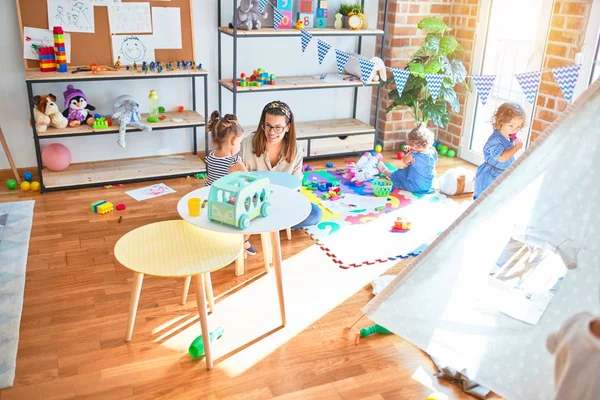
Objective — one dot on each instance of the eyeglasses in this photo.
(278, 129)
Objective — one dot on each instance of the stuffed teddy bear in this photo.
(366, 168)
(127, 113)
(248, 15)
(379, 72)
(77, 108)
(46, 113)
(457, 181)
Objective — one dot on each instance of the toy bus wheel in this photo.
(244, 221)
(265, 209)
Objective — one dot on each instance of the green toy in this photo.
(238, 198)
(439, 146)
(161, 109)
(444, 150)
(371, 330)
(196, 349)
(200, 175)
(402, 146)
(11, 184)
(100, 123)
(382, 187)
(451, 153)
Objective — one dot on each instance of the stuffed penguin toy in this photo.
(77, 108)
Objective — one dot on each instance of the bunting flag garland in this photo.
(567, 79)
(322, 49)
(484, 84)
(261, 6)
(400, 78)
(277, 18)
(529, 81)
(342, 58)
(434, 82)
(305, 38)
(366, 68)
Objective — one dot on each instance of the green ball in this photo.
(439, 146)
(402, 146)
(444, 150)
(11, 184)
(451, 153)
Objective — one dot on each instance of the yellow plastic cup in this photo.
(194, 207)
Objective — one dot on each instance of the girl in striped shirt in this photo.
(226, 134)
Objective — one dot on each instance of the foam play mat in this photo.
(357, 228)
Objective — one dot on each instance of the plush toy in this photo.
(77, 108)
(46, 113)
(366, 168)
(248, 15)
(379, 72)
(457, 181)
(127, 113)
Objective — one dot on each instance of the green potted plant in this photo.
(346, 9)
(436, 56)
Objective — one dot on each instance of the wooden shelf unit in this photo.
(318, 138)
(125, 170)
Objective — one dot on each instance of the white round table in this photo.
(282, 179)
(288, 208)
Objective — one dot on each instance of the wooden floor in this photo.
(76, 303)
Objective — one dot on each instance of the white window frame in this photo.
(588, 50)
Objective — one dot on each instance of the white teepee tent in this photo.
(551, 197)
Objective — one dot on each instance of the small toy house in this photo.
(238, 198)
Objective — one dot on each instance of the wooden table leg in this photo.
(265, 240)
(209, 292)
(239, 262)
(136, 289)
(289, 233)
(275, 242)
(201, 301)
(186, 289)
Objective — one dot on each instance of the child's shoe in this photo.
(249, 249)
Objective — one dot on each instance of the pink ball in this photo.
(56, 157)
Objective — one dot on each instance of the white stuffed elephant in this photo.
(366, 168)
(457, 181)
(127, 112)
(248, 15)
(379, 72)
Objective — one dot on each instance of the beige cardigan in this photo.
(262, 163)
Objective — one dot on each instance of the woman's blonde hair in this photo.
(221, 128)
(505, 113)
(421, 136)
(259, 141)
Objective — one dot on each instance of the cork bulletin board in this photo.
(96, 47)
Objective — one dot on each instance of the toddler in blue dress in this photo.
(417, 172)
(502, 145)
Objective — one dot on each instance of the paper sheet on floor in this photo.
(149, 192)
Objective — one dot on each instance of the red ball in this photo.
(400, 155)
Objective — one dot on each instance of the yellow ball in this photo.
(437, 396)
(25, 185)
(378, 149)
(35, 186)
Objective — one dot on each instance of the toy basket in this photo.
(382, 187)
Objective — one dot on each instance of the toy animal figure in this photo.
(77, 108)
(248, 15)
(457, 181)
(46, 113)
(127, 113)
(366, 168)
(379, 72)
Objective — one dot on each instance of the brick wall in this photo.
(566, 36)
(402, 40)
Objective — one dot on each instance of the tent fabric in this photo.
(550, 197)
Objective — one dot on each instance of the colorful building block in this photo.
(100, 123)
(101, 207)
(321, 23)
(322, 4)
(59, 46)
(286, 21)
(307, 19)
(322, 13)
(47, 59)
(285, 5)
(306, 6)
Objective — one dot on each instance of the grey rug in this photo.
(15, 228)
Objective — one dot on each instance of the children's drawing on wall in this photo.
(33, 38)
(129, 18)
(133, 49)
(72, 15)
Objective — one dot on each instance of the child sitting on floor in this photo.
(577, 350)
(417, 171)
(502, 145)
(226, 134)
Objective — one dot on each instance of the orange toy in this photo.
(401, 225)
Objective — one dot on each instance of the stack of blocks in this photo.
(308, 8)
(47, 60)
(286, 7)
(59, 49)
(101, 207)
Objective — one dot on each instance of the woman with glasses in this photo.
(273, 147)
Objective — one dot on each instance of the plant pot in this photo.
(345, 21)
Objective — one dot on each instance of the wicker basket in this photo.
(382, 187)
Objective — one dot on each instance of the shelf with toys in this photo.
(268, 31)
(318, 138)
